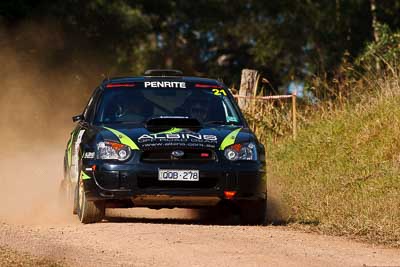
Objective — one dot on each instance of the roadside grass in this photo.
(342, 174)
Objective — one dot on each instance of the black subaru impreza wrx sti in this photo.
(163, 141)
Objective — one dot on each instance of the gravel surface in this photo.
(12, 258)
(178, 238)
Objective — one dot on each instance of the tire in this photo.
(253, 212)
(89, 211)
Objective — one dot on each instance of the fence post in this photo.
(248, 87)
(294, 114)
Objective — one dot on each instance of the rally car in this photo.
(164, 140)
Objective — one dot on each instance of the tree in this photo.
(283, 39)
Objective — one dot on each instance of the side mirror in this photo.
(77, 118)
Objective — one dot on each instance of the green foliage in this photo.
(384, 52)
(283, 39)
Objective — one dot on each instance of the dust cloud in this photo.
(41, 87)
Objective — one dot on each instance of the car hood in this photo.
(217, 137)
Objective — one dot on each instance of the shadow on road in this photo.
(173, 216)
(211, 216)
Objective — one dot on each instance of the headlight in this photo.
(247, 151)
(113, 150)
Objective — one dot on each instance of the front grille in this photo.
(194, 155)
(153, 182)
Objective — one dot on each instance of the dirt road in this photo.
(179, 238)
(31, 222)
(36, 105)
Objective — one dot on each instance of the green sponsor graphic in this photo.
(172, 131)
(229, 139)
(69, 149)
(124, 139)
(84, 176)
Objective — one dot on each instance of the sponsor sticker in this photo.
(219, 92)
(184, 139)
(165, 84)
(89, 155)
(231, 119)
(178, 137)
(74, 165)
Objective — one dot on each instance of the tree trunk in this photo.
(375, 28)
(374, 20)
(248, 87)
(338, 15)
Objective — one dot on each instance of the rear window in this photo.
(136, 104)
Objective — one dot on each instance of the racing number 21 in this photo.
(219, 92)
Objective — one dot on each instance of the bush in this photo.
(342, 174)
(382, 54)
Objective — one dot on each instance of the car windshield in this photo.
(137, 105)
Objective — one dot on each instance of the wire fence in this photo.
(271, 114)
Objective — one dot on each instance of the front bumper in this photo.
(139, 183)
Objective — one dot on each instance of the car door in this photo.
(74, 152)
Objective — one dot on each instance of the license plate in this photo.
(178, 175)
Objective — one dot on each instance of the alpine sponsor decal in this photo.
(178, 136)
(182, 139)
(164, 84)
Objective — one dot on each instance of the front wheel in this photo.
(89, 211)
(253, 212)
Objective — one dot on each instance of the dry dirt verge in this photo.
(12, 258)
